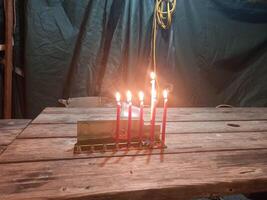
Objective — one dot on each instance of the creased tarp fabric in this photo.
(81, 48)
(221, 52)
(215, 52)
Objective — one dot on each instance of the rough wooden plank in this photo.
(63, 110)
(72, 115)
(140, 177)
(7, 124)
(2, 148)
(49, 130)
(62, 148)
(70, 130)
(7, 136)
(216, 126)
(9, 129)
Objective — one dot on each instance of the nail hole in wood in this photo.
(233, 125)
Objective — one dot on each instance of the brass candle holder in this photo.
(100, 136)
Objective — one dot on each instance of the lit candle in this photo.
(129, 101)
(153, 89)
(141, 98)
(163, 134)
(152, 121)
(118, 99)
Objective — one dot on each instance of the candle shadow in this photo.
(107, 159)
(121, 156)
(162, 155)
(138, 151)
(149, 153)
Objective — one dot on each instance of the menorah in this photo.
(127, 132)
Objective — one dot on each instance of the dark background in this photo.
(215, 52)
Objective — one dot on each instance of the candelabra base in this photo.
(111, 147)
(100, 136)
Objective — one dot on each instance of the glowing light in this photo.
(153, 88)
(141, 96)
(129, 96)
(118, 96)
(164, 120)
(153, 75)
(165, 94)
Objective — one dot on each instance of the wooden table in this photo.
(210, 152)
(9, 130)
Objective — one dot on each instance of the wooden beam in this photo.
(8, 58)
(2, 47)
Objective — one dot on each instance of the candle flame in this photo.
(165, 94)
(153, 75)
(141, 96)
(129, 96)
(118, 96)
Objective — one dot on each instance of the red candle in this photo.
(164, 119)
(141, 98)
(153, 90)
(118, 99)
(129, 101)
(152, 122)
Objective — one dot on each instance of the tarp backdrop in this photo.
(214, 53)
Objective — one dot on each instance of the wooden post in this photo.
(9, 9)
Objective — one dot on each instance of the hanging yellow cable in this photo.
(163, 13)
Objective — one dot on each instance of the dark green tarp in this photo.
(215, 52)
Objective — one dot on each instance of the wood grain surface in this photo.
(137, 177)
(44, 149)
(210, 152)
(70, 130)
(9, 129)
(72, 115)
